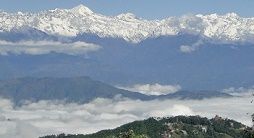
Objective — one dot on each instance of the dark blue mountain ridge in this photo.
(80, 90)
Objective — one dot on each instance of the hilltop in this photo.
(174, 127)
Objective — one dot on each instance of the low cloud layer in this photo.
(51, 117)
(191, 48)
(240, 91)
(154, 89)
(45, 47)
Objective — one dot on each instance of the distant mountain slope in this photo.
(194, 95)
(81, 90)
(174, 127)
(78, 89)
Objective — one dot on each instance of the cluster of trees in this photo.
(128, 134)
(249, 133)
(252, 116)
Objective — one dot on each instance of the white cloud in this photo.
(187, 49)
(45, 47)
(176, 109)
(48, 117)
(19, 129)
(191, 48)
(153, 89)
(241, 91)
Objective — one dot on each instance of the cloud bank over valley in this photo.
(153, 89)
(53, 117)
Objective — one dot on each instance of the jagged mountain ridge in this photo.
(80, 19)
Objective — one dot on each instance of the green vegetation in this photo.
(174, 127)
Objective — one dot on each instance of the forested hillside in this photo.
(174, 127)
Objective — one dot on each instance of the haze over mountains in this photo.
(197, 52)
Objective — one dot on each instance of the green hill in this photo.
(174, 127)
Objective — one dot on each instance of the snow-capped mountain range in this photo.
(80, 19)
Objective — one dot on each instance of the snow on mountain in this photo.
(80, 19)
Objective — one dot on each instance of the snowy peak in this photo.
(127, 16)
(80, 19)
(81, 9)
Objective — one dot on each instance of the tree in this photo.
(252, 117)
